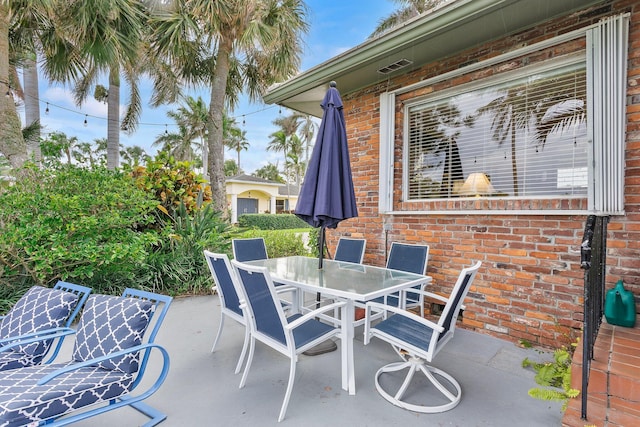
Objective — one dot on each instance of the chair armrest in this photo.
(312, 314)
(92, 362)
(434, 296)
(46, 334)
(401, 312)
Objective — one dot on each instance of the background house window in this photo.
(523, 136)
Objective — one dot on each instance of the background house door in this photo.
(247, 206)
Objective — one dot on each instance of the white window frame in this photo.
(606, 58)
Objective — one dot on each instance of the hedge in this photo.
(271, 222)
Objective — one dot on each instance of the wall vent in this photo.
(401, 63)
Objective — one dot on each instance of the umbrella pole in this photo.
(321, 238)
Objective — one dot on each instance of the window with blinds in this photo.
(524, 137)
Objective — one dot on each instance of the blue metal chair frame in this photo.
(160, 306)
(58, 334)
(289, 336)
(417, 341)
(224, 277)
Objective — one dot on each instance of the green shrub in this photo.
(73, 224)
(178, 266)
(271, 222)
(172, 182)
(281, 242)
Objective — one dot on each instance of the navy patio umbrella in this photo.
(327, 195)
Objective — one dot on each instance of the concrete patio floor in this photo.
(202, 390)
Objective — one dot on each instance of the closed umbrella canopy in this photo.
(327, 195)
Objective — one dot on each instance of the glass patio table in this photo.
(346, 281)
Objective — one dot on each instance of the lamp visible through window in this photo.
(477, 184)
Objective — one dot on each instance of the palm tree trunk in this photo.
(215, 164)
(113, 120)
(205, 158)
(32, 106)
(12, 144)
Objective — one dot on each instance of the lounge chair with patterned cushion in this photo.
(114, 339)
(40, 317)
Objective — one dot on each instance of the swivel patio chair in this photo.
(223, 277)
(114, 339)
(267, 323)
(417, 341)
(41, 317)
(350, 250)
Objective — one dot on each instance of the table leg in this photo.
(349, 380)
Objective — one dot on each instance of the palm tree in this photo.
(231, 168)
(177, 144)
(33, 32)
(192, 115)
(108, 36)
(133, 155)
(270, 172)
(12, 144)
(408, 9)
(237, 141)
(294, 160)
(230, 46)
(307, 128)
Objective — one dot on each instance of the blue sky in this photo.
(335, 26)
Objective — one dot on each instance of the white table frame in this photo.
(347, 281)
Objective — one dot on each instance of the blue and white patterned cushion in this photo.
(109, 324)
(39, 309)
(22, 401)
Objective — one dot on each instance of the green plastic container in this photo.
(619, 306)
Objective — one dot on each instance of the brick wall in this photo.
(530, 285)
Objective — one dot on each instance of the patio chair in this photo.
(253, 249)
(41, 317)
(114, 339)
(347, 250)
(223, 277)
(417, 341)
(267, 323)
(350, 250)
(412, 259)
(249, 249)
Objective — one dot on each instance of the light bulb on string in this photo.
(166, 131)
(47, 110)
(85, 120)
(243, 121)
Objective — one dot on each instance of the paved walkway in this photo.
(201, 389)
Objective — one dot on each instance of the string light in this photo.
(50, 106)
(166, 131)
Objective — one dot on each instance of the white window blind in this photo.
(524, 137)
